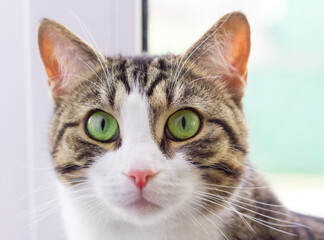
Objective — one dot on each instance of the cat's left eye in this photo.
(183, 124)
(101, 126)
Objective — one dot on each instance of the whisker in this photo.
(193, 63)
(195, 80)
(245, 198)
(208, 219)
(192, 219)
(234, 187)
(201, 43)
(78, 76)
(102, 61)
(208, 210)
(196, 210)
(239, 214)
(90, 68)
(33, 192)
(273, 228)
(252, 218)
(258, 207)
(247, 209)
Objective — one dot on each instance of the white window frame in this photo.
(25, 109)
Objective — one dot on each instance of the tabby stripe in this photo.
(165, 149)
(163, 66)
(220, 166)
(162, 146)
(296, 232)
(85, 144)
(310, 235)
(61, 134)
(169, 95)
(112, 94)
(159, 78)
(118, 144)
(122, 77)
(83, 155)
(68, 168)
(230, 107)
(87, 150)
(230, 133)
(59, 111)
(203, 154)
(136, 75)
(303, 220)
(145, 74)
(146, 66)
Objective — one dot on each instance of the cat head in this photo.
(142, 139)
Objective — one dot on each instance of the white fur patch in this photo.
(139, 150)
(102, 208)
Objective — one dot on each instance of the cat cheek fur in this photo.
(167, 189)
(116, 192)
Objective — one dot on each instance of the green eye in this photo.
(102, 126)
(183, 124)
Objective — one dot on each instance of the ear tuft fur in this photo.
(224, 51)
(64, 56)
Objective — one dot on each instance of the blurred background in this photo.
(284, 98)
(283, 102)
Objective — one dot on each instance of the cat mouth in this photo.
(143, 212)
(143, 205)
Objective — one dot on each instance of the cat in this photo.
(155, 147)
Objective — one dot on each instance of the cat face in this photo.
(146, 139)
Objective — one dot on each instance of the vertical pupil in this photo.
(183, 122)
(103, 123)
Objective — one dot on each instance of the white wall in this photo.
(26, 176)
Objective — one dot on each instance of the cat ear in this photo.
(64, 55)
(224, 51)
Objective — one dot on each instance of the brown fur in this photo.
(219, 150)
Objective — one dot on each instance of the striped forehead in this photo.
(143, 73)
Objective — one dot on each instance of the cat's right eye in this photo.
(101, 126)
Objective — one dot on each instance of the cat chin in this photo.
(143, 216)
(162, 197)
(141, 212)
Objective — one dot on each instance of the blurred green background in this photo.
(283, 103)
(285, 93)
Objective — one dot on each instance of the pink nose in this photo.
(140, 177)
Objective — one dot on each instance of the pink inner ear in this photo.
(64, 55)
(47, 48)
(241, 49)
(48, 45)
